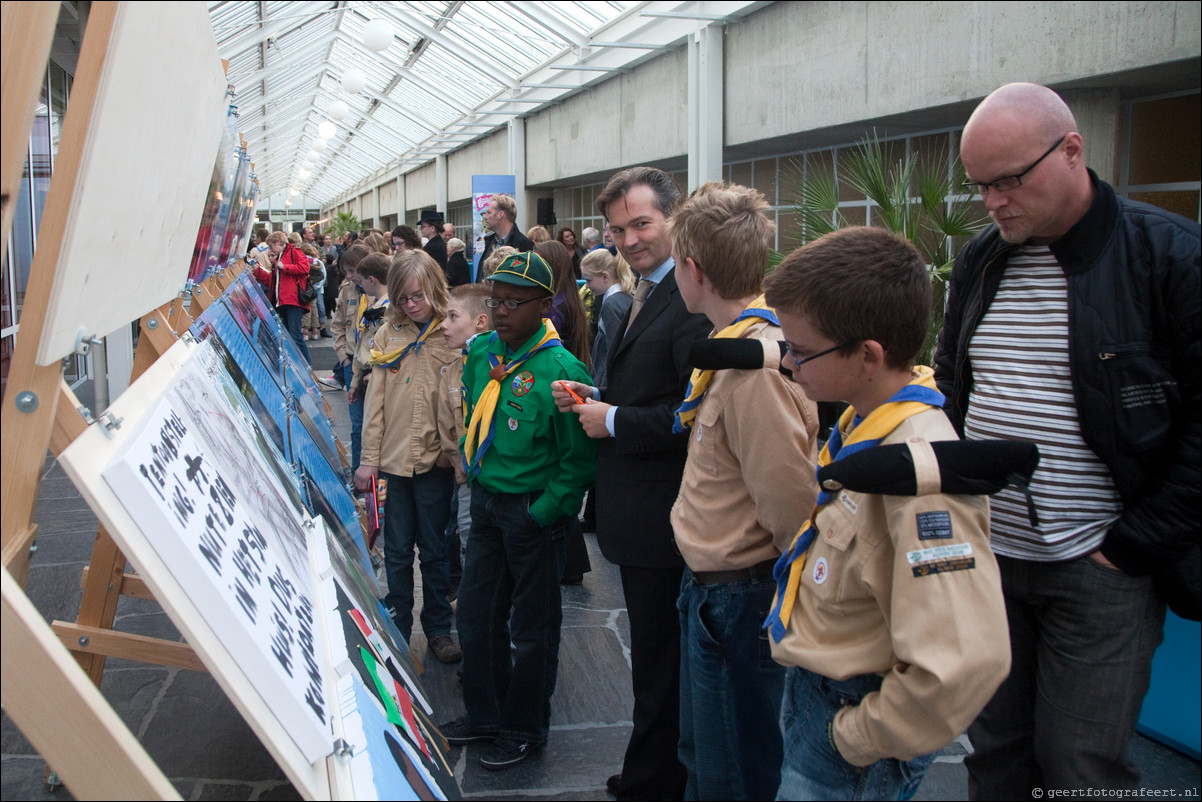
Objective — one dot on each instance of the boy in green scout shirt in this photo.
(529, 466)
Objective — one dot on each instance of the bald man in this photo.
(1073, 321)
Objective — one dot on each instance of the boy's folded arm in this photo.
(949, 634)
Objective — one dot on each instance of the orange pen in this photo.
(571, 392)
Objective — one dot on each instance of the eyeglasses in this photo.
(416, 298)
(800, 362)
(1009, 182)
(508, 303)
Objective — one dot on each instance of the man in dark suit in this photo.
(500, 216)
(430, 226)
(639, 466)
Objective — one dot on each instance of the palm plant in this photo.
(911, 196)
(343, 222)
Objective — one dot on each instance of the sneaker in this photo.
(446, 649)
(506, 752)
(330, 381)
(460, 732)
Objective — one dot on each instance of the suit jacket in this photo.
(639, 470)
(437, 248)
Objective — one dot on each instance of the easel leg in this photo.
(101, 592)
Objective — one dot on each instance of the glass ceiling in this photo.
(452, 72)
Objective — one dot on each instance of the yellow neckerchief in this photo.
(361, 324)
(479, 433)
(393, 358)
(916, 397)
(756, 311)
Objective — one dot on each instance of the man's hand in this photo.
(365, 475)
(1099, 557)
(564, 399)
(352, 394)
(592, 418)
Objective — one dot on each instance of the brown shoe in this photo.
(446, 649)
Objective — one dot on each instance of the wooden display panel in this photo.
(134, 169)
(85, 461)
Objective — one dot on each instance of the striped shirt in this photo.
(1022, 390)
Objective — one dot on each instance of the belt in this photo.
(756, 571)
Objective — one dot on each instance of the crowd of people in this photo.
(791, 638)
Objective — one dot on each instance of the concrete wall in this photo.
(633, 118)
(800, 66)
(419, 188)
(388, 198)
(488, 156)
(1099, 115)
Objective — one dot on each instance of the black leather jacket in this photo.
(1133, 296)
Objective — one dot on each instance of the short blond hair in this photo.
(724, 229)
(506, 204)
(494, 260)
(471, 298)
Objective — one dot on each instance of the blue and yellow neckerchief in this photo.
(393, 358)
(700, 381)
(479, 433)
(361, 324)
(916, 397)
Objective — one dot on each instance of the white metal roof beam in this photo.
(291, 60)
(400, 69)
(277, 26)
(472, 59)
(539, 19)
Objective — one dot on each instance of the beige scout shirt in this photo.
(749, 481)
(345, 319)
(908, 588)
(361, 353)
(450, 417)
(400, 416)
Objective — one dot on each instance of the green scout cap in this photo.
(525, 270)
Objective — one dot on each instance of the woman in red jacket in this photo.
(285, 278)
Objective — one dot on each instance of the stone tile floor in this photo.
(197, 737)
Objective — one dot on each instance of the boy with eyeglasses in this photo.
(529, 465)
(889, 609)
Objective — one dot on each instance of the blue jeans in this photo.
(356, 410)
(730, 690)
(512, 563)
(1082, 637)
(416, 512)
(292, 317)
(813, 767)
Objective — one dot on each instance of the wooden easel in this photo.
(91, 638)
(42, 688)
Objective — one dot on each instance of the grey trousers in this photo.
(1082, 637)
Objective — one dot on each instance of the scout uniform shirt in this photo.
(535, 446)
(908, 588)
(450, 417)
(748, 484)
(400, 415)
(344, 323)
